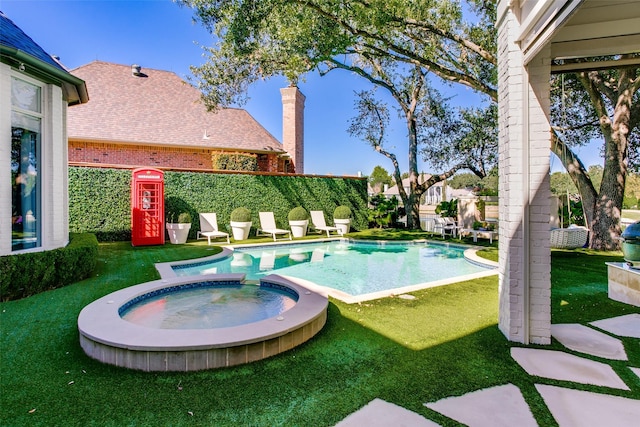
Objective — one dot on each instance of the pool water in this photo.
(356, 268)
(208, 307)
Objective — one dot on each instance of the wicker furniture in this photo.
(569, 238)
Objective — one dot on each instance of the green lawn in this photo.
(631, 214)
(443, 343)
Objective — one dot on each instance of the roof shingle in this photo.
(158, 108)
(12, 36)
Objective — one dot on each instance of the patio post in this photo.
(524, 138)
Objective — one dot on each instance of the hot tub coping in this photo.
(101, 323)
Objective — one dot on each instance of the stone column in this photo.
(524, 254)
(293, 126)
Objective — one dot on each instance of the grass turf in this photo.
(445, 342)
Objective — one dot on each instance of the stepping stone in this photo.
(636, 371)
(379, 413)
(586, 340)
(492, 407)
(623, 326)
(566, 367)
(584, 408)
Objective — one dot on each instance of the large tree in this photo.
(262, 38)
(430, 124)
(374, 40)
(606, 104)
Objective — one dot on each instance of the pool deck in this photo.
(166, 269)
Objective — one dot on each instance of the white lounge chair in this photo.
(209, 228)
(317, 219)
(452, 223)
(268, 226)
(444, 227)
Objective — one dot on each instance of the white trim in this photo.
(534, 42)
(5, 159)
(526, 204)
(53, 210)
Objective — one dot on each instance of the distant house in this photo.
(146, 117)
(433, 196)
(35, 91)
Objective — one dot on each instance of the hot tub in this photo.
(106, 336)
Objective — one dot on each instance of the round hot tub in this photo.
(204, 322)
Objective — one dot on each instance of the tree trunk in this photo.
(608, 208)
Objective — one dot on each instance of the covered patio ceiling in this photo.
(582, 30)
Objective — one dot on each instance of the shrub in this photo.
(298, 214)
(383, 211)
(448, 208)
(630, 202)
(22, 275)
(234, 161)
(184, 218)
(177, 210)
(342, 212)
(241, 214)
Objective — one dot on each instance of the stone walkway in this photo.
(505, 405)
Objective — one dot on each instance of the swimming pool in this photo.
(349, 270)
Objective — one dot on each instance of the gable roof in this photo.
(157, 107)
(19, 50)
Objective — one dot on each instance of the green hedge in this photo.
(99, 199)
(26, 274)
(234, 161)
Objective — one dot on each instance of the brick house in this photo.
(147, 117)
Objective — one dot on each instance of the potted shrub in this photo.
(342, 219)
(179, 231)
(298, 221)
(240, 223)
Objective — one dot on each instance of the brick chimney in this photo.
(293, 126)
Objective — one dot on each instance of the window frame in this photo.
(41, 116)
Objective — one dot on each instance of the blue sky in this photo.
(161, 35)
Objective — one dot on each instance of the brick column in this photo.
(293, 126)
(524, 254)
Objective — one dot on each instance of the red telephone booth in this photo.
(147, 207)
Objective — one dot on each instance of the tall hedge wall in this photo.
(99, 199)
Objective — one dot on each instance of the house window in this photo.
(26, 121)
(263, 162)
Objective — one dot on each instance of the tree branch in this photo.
(463, 42)
(404, 54)
(434, 179)
(596, 99)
